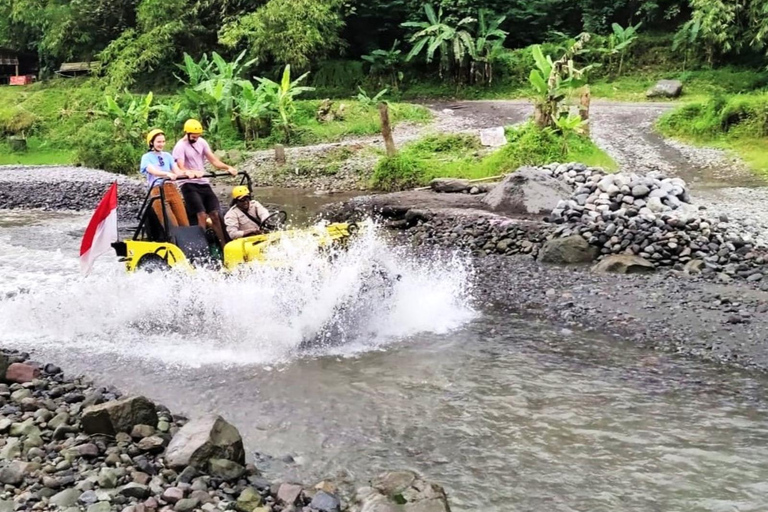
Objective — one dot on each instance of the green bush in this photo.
(398, 172)
(99, 148)
(17, 121)
(739, 116)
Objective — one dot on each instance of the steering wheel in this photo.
(274, 222)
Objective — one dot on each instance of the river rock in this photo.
(401, 490)
(624, 264)
(528, 191)
(572, 249)
(666, 89)
(203, 439)
(119, 415)
(449, 185)
(13, 474)
(21, 373)
(66, 498)
(225, 469)
(248, 500)
(324, 502)
(289, 493)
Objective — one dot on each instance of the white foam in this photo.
(260, 316)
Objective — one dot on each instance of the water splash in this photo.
(355, 300)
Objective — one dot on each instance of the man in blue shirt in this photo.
(157, 165)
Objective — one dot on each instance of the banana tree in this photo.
(488, 44)
(434, 34)
(384, 63)
(132, 120)
(619, 41)
(281, 97)
(253, 111)
(552, 81)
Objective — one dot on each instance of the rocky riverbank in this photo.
(67, 188)
(66, 444)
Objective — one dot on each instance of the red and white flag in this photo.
(101, 231)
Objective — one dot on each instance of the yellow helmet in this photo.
(193, 126)
(240, 191)
(152, 134)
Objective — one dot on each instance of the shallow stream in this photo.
(507, 414)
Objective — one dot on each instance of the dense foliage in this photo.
(139, 40)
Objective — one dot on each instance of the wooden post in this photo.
(280, 154)
(386, 130)
(584, 109)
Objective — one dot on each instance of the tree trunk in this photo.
(280, 154)
(386, 130)
(584, 109)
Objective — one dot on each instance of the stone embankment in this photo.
(67, 188)
(68, 445)
(572, 213)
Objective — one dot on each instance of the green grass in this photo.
(736, 122)
(38, 153)
(357, 120)
(461, 156)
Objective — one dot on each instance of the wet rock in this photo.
(119, 415)
(401, 490)
(203, 439)
(324, 502)
(624, 264)
(527, 191)
(572, 249)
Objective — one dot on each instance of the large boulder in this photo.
(401, 490)
(203, 439)
(571, 249)
(119, 415)
(666, 89)
(624, 264)
(527, 191)
(449, 185)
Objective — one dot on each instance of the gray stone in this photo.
(325, 502)
(572, 249)
(527, 191)
(186, 505)
(203, 439)
(449, 185)
(666, 89)
(225, 469)
(12, 448)
(151, 444)
(102, 506)
(624, 264)
(66, 498)
(142, 431)
(640, 191)
(107, 478)
(88, 497)
(173, 494)
(13, 474)
(60, 419)
(6, 506)
(119, 415)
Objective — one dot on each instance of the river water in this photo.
(507, 414)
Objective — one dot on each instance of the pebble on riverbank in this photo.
(68, 445)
